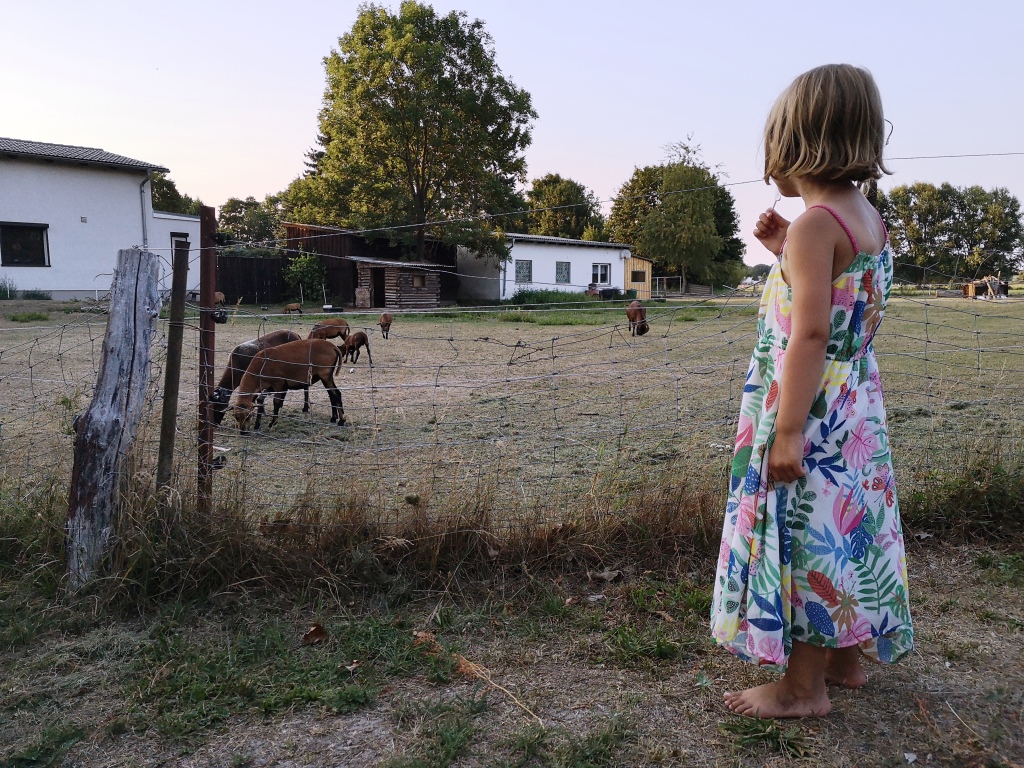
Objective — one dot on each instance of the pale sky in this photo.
(226, 93)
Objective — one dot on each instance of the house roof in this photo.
(389, 263)
(66, 153)
(562, 241)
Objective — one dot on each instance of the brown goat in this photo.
(294, 365)
(385, 323)
(218, 298)
(350, 351)
(637, 319)
(329, 328)
(296, 307)
(238, 363)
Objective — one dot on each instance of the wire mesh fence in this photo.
(527, 414)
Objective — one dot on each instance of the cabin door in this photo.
(377, 298)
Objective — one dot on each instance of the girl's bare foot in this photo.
(779, 699)
(842, 667)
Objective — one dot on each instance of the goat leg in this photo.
(278, 402)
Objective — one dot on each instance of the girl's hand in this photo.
(771, 230)
(786, 458)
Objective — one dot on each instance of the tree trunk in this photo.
(106, 431)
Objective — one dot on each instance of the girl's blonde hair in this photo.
(828, 125)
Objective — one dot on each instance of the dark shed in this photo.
(373, 273)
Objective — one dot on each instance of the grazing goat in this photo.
(294, 365)
(329, 328)
(218, 298)
(637, 319)
(238, 363)
(385, 324)
(350, 351)
(296, 307)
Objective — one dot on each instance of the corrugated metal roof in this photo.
(388, 263)
(562, 241)
(67, 153)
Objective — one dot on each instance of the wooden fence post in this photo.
(172, 378)
(207, 339)
(106, 431)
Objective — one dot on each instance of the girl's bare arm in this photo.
(808, 266)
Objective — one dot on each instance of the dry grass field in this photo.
(524, 412)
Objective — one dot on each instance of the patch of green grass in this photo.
(516, 316)
(49, 747)
(749, 732)
(35, 294)
(189, 682)
(28, 317)
(446, 730)
(650, 597)
(1003, 569)
(558, 748)
(631, 645)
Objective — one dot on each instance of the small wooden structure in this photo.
(637, 276)
(397, 284)
(992, 287)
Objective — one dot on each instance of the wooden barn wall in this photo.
(637, 263)
(254, 280)
(399, 291)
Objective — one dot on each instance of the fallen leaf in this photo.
(315, 634)
(596, 598)
(664, 615)
(571, 601)
(910, 757)
(354, 665)
(606, 575)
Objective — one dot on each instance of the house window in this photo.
(602, 274)
(562, 272)
(419, 281)
(24, 245)
(524, 271)
(637, 276)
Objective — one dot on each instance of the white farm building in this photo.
(65, 211)
(539, 262)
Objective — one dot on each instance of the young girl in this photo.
(811, 571)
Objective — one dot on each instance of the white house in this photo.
(65, 211)
(539, 262)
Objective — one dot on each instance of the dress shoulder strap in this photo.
(846, 229)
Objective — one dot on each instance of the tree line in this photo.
(421, 136)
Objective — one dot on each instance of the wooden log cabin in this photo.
(397, 284)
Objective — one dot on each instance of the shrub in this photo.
(28, 317)
(550, 297)
(8, 290)
(305, 274)
(35, 293)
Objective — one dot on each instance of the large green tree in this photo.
(250, 221)
(168, 199)
(418, 126)
(561, 207)
(946, 233)
(679, 215)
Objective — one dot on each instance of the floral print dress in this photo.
(820, 560)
